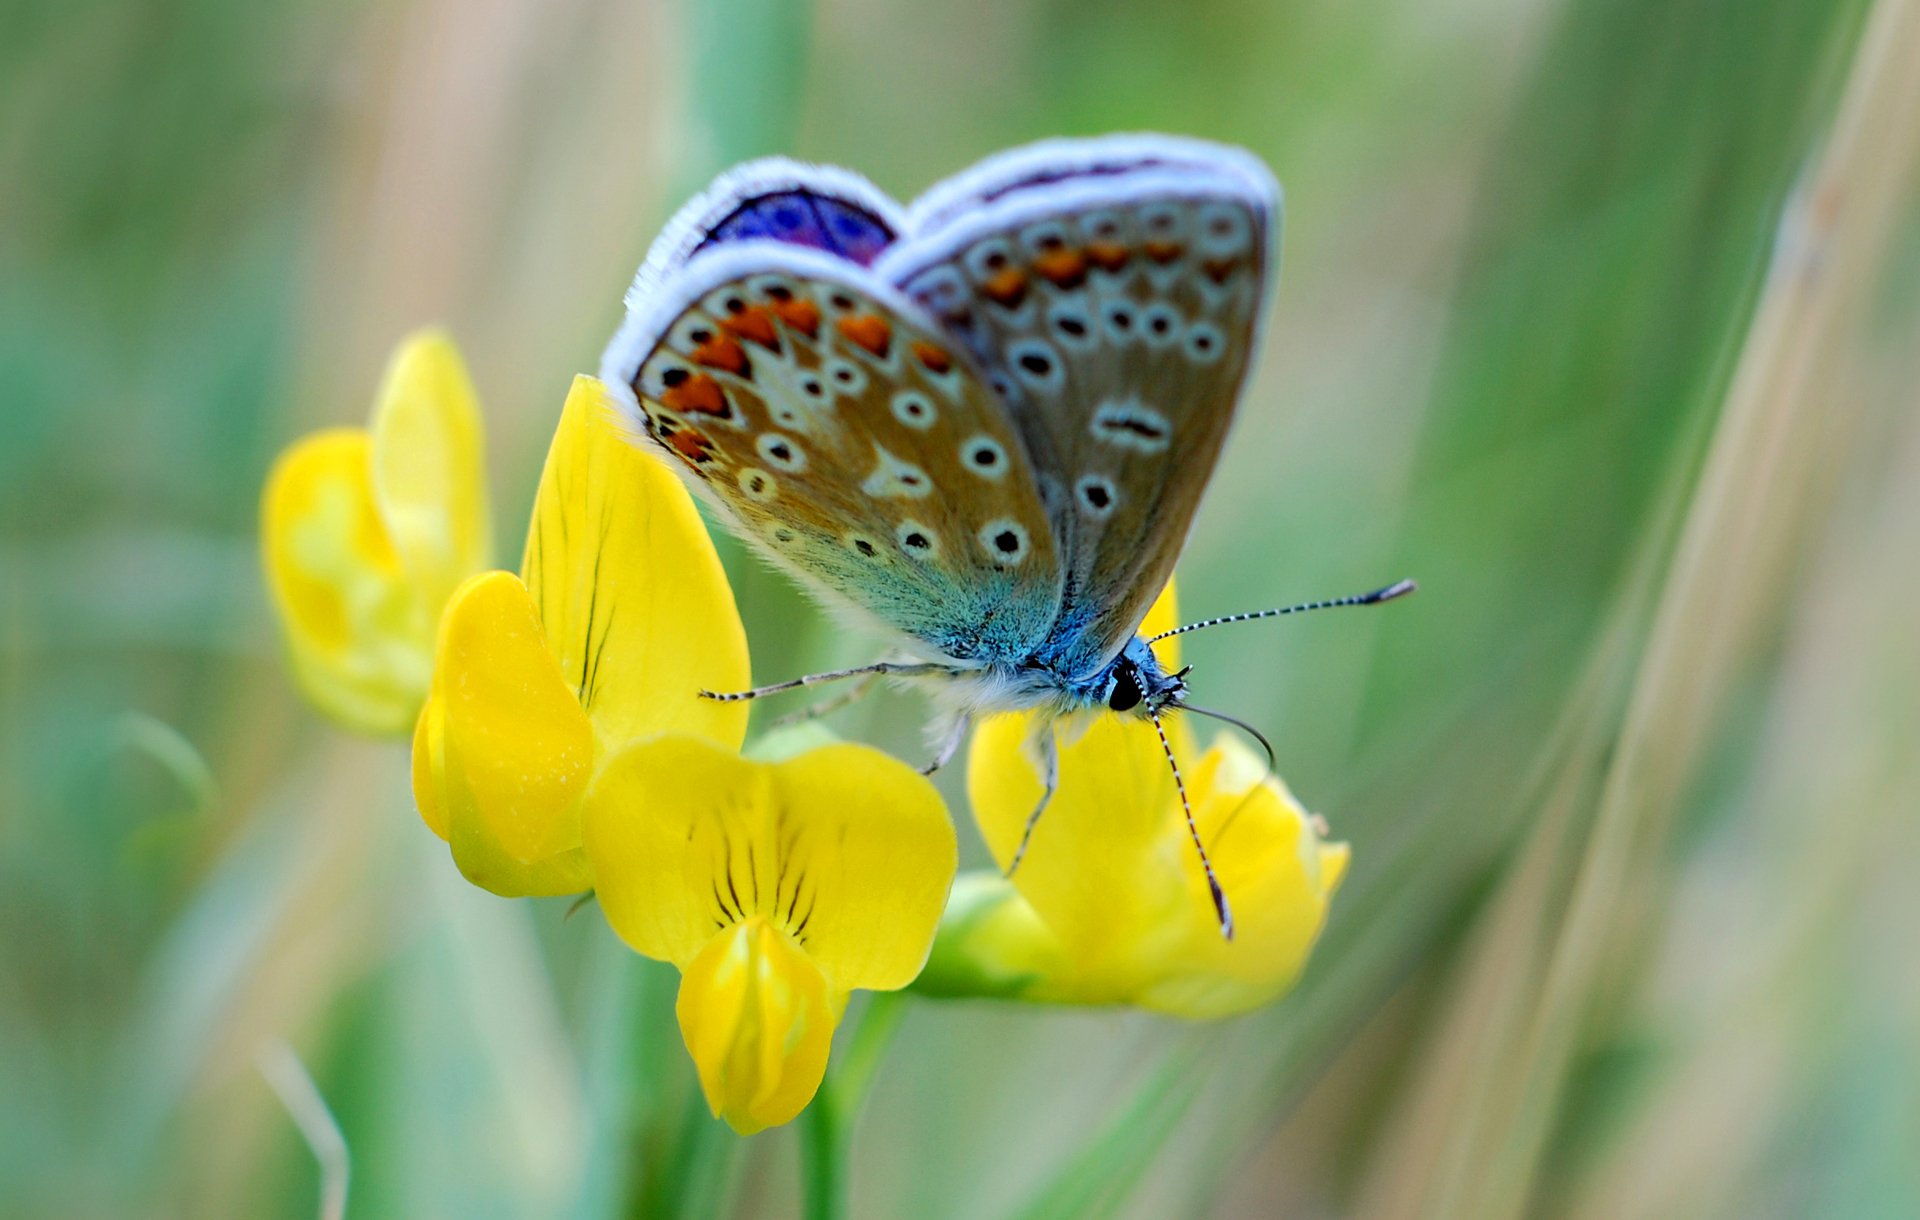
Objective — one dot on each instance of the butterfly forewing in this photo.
(1115, 310)
(850, 440)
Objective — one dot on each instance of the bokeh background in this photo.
(1601, 317)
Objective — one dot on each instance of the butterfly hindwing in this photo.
(1112, 290)
(819, 207)
(850, 440)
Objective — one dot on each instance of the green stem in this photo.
(826, 1129)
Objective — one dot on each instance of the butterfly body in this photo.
(981, 423)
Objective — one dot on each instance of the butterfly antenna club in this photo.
(1398, 589)
(1220, 906)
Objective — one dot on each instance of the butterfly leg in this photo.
(950, 745)
(1049, 760)
(896, 669)
(816, 710)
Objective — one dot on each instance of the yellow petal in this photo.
(636, 605)
(516, 751)
(873, 851)
(359, 640)
(429, 769)
(666, 825)
(1280, 877)
(847, 850)
(758, 1020)
(429, 466)
(1101, 867)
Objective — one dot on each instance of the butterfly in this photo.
(980, 423)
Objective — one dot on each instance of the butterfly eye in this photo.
(1125, 695)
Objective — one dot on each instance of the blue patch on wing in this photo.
(803, 218)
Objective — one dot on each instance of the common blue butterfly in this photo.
(981, 423)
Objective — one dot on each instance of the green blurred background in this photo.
(1601, 317)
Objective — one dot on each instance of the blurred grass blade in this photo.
(1097, 1180)
(289, 1078)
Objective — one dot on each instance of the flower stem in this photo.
(826, 1129)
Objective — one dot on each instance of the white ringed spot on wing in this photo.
(1162, 221)
(1204, 343)
(988, 258)
(1070, 325)
(1004, 540)
(1102, 224)
(1119, 321)
(781, 452)
(917, 540)
(1096, 496)
(914, 409)
(843, 376)
(896, 479)
(1160, 325)
(758, 485)
(984, 456)
(1224, 230)
(1044, 237)
(1130, 424)
(942, 289)
(1036, 364)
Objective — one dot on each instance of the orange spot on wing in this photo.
(1164, 251)
(803, 316)
(869, 331)
(1108, 255)
(691, 445)
(754, 324)
(1006, 288)
(1219, 269)
(1062, 268)
(933, 357)
(698, 395)
(722, 352)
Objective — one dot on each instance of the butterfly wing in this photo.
(1112, 290)
(819, 207)
(840, 432)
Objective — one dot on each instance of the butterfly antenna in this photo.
(1220, 907)
(1236, 722)
(1397, 589)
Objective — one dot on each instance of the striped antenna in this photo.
(1220, 907)
(1397, 589)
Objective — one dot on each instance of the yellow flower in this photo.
(366, 531)
(1110, 906)
(624, 615)
(776, 888)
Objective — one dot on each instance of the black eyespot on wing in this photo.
(1006, 541)
(674, 377)
(985, 456)
(917, 541)
(863, 546)
(1036, 364)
